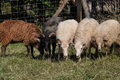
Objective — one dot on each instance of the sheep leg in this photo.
(111, 48)
(28, 50)
(42, 52)
(59, 52)
(96, 52)
(106, 50)
(119, 49)
(89, 52)
(3, 49)
(53, 49)
(49, 50)
(32, 51)
(85, 52)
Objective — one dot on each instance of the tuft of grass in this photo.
(16, 66)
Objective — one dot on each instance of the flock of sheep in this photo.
(64, 33)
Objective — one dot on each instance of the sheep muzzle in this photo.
(65, 57)
(77, 57)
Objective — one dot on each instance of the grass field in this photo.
(18, 67)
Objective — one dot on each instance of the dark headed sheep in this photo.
(49, 30)
(15, 31)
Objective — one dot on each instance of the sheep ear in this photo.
(104, 40)
(119, 35)
(37, 39)
(57, 39)
(58, 42)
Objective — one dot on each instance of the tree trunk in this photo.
(79, 10)
(85, 7)
(60, 8)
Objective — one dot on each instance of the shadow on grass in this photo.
(54, 58)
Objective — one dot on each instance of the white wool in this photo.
(66, 29)
(65, 33)
(84, 34)
(85, 30)
(108, 29)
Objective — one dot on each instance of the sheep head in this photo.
(79, 46)
(48, 39)
(64, 44)
(100, 41)
(37, 37)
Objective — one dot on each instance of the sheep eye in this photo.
(83, 44)
(94, 41)
(105, 40)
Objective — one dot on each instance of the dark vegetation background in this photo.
(35, 11)
(38, 11)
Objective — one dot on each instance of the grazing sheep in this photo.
(106, 34)
(49, 30)
(65, 34)
(15, 31)
(84, 35)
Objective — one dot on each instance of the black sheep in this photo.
(49, 30)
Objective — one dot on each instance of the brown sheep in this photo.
(15, 31)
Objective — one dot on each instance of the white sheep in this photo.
(65, 34)
(84, 35)
(106, 34)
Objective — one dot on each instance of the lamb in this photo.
(106, 34)
(15, 31)
(84, 35)
(65, 35)
(49, 30)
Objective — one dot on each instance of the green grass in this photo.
(18, 67)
